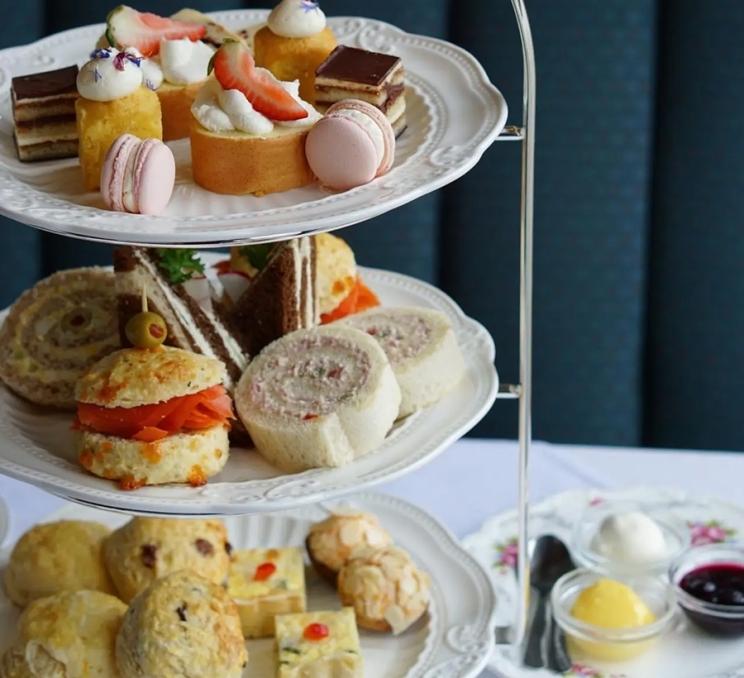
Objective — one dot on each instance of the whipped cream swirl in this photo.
(184, 61)
(110, 75)
(220, 110)
(297, 19)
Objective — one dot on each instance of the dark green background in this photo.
(639, 236)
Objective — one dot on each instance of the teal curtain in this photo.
(639, 243)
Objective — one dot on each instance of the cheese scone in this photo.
(56, 557)
(146, 549)
(318, 644)
(318, 397)
(422, 349)
(333, 541)
(182, 626)
(264, 583)
(68, 635)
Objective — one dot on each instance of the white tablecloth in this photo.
(475, 479)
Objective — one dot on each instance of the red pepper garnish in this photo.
(316, 631)
(264, 571)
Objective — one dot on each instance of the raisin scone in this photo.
(146, 549)
(55, 557)
(385, 588)
(182, 626)
(333, 541)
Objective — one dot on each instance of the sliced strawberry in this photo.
(126, 27)
(234, 68)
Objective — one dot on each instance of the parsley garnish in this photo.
(258, 255)
(179, 265)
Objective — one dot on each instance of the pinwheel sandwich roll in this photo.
(318, 398)
(422, 350)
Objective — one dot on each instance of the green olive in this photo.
(146, 330)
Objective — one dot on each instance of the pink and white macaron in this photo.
(351, 145)
(138, 175)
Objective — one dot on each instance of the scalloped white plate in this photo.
(684, 651)
(452, 641)
(38, 445)
(454, 114)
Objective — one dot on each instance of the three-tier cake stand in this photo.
(446, 138)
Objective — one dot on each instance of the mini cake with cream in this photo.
(113, 101)
(177, 50)
(295, 41)
(249, 129)
(264, 583)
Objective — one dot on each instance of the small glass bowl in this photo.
(612, 644)
(715, 618)
(676, 535)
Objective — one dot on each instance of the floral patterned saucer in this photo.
(684, 652)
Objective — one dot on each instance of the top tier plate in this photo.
(454, 114)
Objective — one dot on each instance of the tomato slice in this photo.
(149, 423)
(359, 299)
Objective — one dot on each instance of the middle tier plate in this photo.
(38, 444)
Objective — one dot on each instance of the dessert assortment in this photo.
(281, 347)
(248, 111)
(184, 602)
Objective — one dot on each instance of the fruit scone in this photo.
(249, 129)
(319, 397)
(264, 583)
(177, 51)
(421, 347)
(148, 416)
(318, 644)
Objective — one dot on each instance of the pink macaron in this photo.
(138, 175)
(351, 145)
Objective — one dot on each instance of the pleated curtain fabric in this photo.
(639, 241)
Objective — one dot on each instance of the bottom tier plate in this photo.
(38, 444)
(453, 641)
(684, 651)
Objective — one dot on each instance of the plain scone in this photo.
(182, 626)
(69, 635)
(348, 424)
(56, 557)
(146, 549)
(422, 349)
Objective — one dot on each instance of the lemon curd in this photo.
(610, 604)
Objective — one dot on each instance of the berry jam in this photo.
(718, 584)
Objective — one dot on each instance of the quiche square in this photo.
(264, 583)
(318, 644)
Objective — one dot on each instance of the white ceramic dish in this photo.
(453, 641)
(38, 446)
(684, 651)
(454, 114)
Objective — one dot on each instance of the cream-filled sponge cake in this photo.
(319, 397)
(56, 557)
(146, 549)
(332, 542)
(264, 583)
(249, 129)
(181, 626)
(65, 635)
(385, 588)
(148, 416)
(318, 644)
(422, 350)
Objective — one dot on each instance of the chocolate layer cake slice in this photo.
(351, 73)
(282, 298)
(44, 114)
(178, 291)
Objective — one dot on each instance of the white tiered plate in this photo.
(684, 651)
(454, 114)
(38, 443)
(453, 641)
